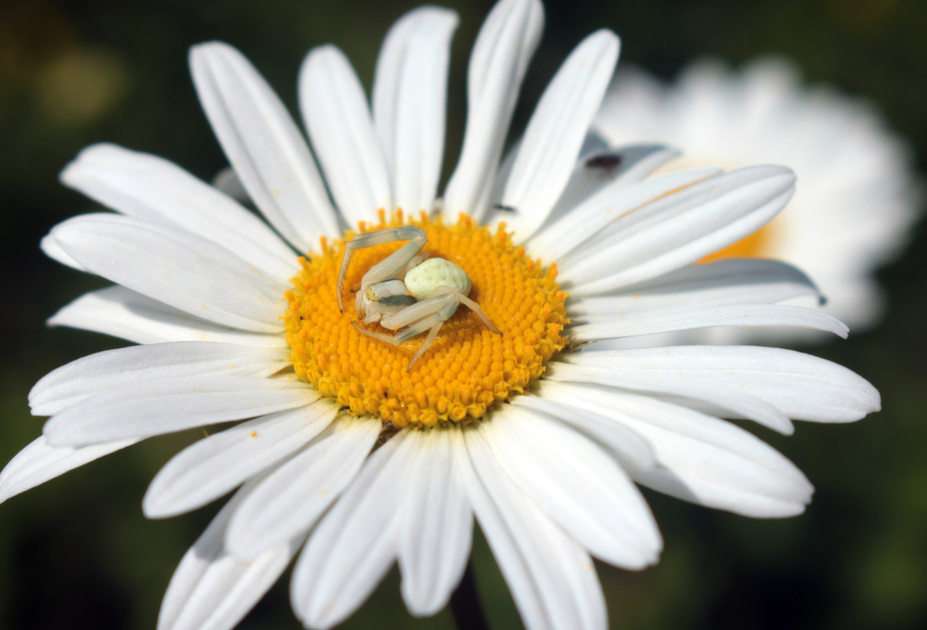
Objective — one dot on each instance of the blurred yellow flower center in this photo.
(759, 244)
(468, 369)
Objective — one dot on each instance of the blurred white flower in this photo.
(856, 198)
(348, 458)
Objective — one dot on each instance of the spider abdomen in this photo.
(436, 276)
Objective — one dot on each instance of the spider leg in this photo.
(387, 267)
(414, 261)
(425, 345)
(473, 306)
(410, 315)
(386, 290)
(440, 311)
(394, 264)
(432, 324)
(374, 311)
(390, 339)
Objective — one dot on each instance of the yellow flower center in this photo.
(759, 244)
(468, 369)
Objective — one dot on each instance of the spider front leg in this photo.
(473, 306)
(427, 315)
(388, 268)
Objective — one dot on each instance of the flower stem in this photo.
(465, 604)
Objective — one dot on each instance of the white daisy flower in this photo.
(346, 458)
(857, 199)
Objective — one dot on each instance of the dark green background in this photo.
(77, 553)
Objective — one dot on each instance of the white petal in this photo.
(166, 406)
(436, 526)
(680, 229)
(409, 101)
(703, 459)
(227, 181)
(577, 485)
(341, 130)
(498, 63)
(263, 144)
(150, 188)
(292, 497)
(53, 250)
(355, 543)
(38, 462)
(176, 268)
(116, 369)
(556, 130)
(498, 211)
(618, 324)
(552, 579)
(607, 206)
(213, 590)
(601, 166)
(636, 163)
(216, 464)
(602, 369)
(725, 282)
(799, 385)
(631, 450)
(128, 315)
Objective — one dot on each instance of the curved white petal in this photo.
(552, 578)
(600, 166)
(216, 464)
(679, 229)
(702, 459)
(498, 63)
(263, 145)
(409, 101)
(292, 497)
(39, 462)
(616, 324)
(636, 375)
(614, 201)
(355, 542)
(555, 133)
(177, 268)
(341, 130)
(124, 367)
(166, 406)
(725, 282)
(227, 181)
(631, 450)
(122, 313)
(799, 385)
(151, 188)
(53, 250)
(436, 524)
(213, 590)
(586, 493)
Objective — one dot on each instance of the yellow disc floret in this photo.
(468, 369)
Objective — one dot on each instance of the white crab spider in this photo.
(406, 291)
